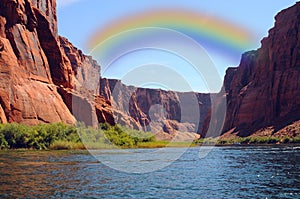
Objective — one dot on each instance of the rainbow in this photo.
(211, 32)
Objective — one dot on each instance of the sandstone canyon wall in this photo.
(264, 90)
(31, 64)
(154, 109)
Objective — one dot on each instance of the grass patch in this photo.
(205, 141)
(155, 144)
(161, 144)
(66, 145)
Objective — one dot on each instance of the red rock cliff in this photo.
(31, 63)
(43, 77)
(264, 90)
(155, 110)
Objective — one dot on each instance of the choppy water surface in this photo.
(226, 172)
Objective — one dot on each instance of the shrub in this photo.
(296, 139)
(244, 140)
(223, 141)
(124, 136)
(199, 141)
(15, 136)
(3, 142)
(273, 140)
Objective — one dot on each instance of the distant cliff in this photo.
(156, 110)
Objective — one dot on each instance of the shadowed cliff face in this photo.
(264, 90)
(156, 110)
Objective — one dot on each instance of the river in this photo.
(224, 172)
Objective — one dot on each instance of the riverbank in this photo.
(69, 146)
(64, 137)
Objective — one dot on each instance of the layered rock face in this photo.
(155, 110)
(83, 99)
(44, 78)
(264, 90)
(31, 63)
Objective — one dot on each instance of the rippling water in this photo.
(226, 172)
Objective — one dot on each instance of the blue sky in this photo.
(78, 20)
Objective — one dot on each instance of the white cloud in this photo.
(63, 3)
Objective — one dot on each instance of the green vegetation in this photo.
(250, 140)
(111, 136)
(61, 136)
(207, 141)
(42, 136)
(164, 143)
(66, 145)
